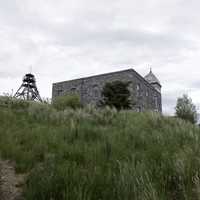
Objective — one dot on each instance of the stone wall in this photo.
(143, 94)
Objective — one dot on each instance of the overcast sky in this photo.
(67, 39)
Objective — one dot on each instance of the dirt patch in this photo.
(10, 183)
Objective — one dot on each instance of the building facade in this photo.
(145, 92)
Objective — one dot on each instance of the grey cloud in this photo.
(10, 74)
(77, 36)
(194, 84)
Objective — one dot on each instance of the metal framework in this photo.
(28, 90)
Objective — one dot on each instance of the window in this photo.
(138, 109)
(96, 91)
(59, 92)
(138, 90)
(156, 102)
(73, 90)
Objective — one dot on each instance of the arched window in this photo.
(138, 109)
(138, 90)
(156, 102)
(73, 90)
(96, 92)
(147, 93)
(59, 91)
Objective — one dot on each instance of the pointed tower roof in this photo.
(151, 78)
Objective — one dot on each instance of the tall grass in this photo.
(91, 154)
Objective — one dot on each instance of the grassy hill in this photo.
(90, 154)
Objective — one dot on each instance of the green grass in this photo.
(90, 154)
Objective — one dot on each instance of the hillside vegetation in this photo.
(90, 154)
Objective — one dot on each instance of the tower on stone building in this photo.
(152, 79)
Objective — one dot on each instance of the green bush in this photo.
(185, 109)
(11, 102)
(116, 94)
(40, 111)
(67, 101)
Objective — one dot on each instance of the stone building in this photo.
(145, 92)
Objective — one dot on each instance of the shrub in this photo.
(116, 94)
(40, 111)
(11, 102)
(186, 110)
(67, 101)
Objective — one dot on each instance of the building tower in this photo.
(28, 90)
(152, 79)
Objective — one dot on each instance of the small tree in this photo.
(185, 109)
(67, 101)
(116, 94)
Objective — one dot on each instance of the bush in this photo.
(186, 110)
(11, 102)
(40, 111)
(67, 101)
(116, 94)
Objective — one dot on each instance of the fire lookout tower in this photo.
(28, 90)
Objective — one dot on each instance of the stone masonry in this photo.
(145, 92)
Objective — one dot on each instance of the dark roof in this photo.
(151, 78)
(110, 73)
(98, 75)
